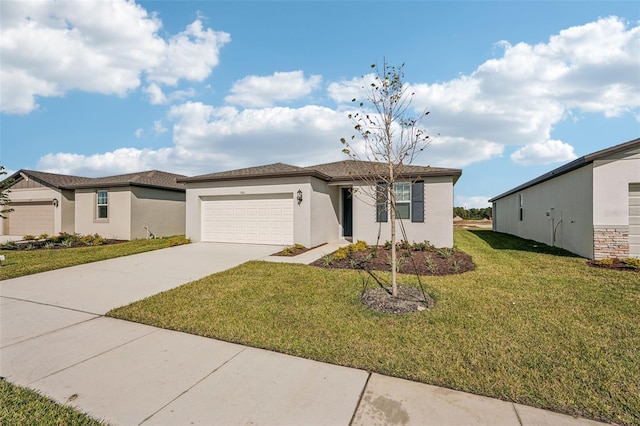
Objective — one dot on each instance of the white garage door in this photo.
(256, 219)
(34, 218)
(634, 220)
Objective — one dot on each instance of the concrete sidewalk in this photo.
(131, 374)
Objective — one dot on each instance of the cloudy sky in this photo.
(515, 89)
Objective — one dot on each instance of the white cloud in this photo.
(123, 160)
(514, 100)
(517, 99)
(94, 46)
(551, 151)
(138, 132)
(158, 127)
(155, 93)
(472, 201)
(263, 91)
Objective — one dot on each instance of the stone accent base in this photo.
(610, 242)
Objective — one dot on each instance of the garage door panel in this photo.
(33, 218)
(249, 219)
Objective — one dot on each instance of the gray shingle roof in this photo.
(336, 171)
(50, 179)
(575, 164)
(151, 178)
(348, 169)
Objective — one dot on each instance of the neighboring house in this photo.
(590, 206)
(121, 207)
(285, 205)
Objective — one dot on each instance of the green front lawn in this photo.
(531, 324)
(19, 263)
(22, 406)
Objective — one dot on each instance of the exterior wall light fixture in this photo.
(55, 202)
(299, 196)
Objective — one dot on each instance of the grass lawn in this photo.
(531, 324)
(22, 406)
(19, 263)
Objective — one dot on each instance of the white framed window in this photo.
(102, 204)
(402, 192)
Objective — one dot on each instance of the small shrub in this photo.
(49, 245)
(43, 237)
(400, 261)
(387, 245)
(405, 253)
(342, 253)
(431, 265)
(359, 246)
(445, 252)
(29, 237)
(10, 245)
(67, 242)
(403, 245)
(631, 262)
(603, 262)
(30, 247)
(327, 260)
(455, 265)
(287, 251)
(92, 240)
(299, 247)
(422, 246)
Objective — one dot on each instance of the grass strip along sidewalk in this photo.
(22, 406)
(532, 324)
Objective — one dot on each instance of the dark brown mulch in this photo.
(409, 299)
(617, 264)
(294, 250)
(441, 261)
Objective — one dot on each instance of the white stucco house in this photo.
(590, 206)
(284, 205)
(120, 207)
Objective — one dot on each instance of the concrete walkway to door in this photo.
(55, 339)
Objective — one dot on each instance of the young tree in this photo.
(388, 136)
(4, 194)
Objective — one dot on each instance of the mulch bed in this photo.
(616, 264)
(440, 262)
(294, 250)
(41, 245)
(409, 299)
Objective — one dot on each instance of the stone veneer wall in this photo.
(610, 242)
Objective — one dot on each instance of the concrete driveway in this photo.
(99, 287)
(55, 339)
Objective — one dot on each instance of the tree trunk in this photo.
(392, 219)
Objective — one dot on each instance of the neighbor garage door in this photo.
(33, 218)
(257, 219)
(634, 220)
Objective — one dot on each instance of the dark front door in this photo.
(347, 212)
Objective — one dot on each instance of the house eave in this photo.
(296, 173)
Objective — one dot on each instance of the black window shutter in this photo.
(381, 202)
(417, 201)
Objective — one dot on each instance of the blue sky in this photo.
(515, 89)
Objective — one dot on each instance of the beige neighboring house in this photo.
(123, 207)
(590, 206)
(284, 205)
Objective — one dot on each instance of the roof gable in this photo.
(151, 178)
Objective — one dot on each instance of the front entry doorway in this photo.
(347, 212)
